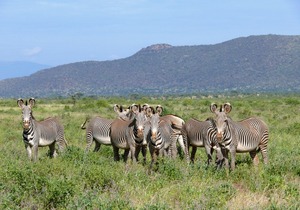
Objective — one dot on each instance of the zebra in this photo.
(98, 128)
(176, 124)
(201, 134)
(161, 137)
(249, 135)
(129, 135)
(40, 133)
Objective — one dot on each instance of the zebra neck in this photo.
(28, 135)
(28, 131)
(227, 135)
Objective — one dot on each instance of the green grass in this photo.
(79, 180)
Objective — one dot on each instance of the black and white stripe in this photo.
(129, 135)
(98, 128)
(249, 135)
(201, 134)
(40, 133)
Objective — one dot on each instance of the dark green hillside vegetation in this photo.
(79, 180)
(267, 63)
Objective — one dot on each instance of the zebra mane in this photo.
(212, 120)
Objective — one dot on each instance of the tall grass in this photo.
(79, 180)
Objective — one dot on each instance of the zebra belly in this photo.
(103, 139)
(197, 143)
(44, 142)
(245, 148)
(122, 144)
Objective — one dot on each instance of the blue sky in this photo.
(55, 32)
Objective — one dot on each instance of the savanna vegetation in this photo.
(79, 180)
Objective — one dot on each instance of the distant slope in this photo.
(254, 64)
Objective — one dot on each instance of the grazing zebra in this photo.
(249, 135)
(161, 137)
(98, 128)
(201, 134)
(40, 133)
(129, 135)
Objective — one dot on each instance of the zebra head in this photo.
(140, 119)
(154, 116)
(26, 112)
(221, 120)
(123, 113)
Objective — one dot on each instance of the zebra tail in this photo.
(83, 125)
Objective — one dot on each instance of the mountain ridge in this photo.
(264, 63)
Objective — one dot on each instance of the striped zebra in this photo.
(176, 124)
(249, 135)
(129, 135)
(161, 137)
(98, 128)
(201, 134)
(40, 133)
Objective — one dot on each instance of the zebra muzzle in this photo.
(26, 124)
(140, 133)
(219, 137)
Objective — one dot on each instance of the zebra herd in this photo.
(139, 128)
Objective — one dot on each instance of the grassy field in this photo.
(79, 180)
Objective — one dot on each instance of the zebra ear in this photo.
(149, 111)
(20, 102)
(145, 106)
(116, 108)
(159, 109)
(227, 107)
(135, 108)
(31, 102)
(213, 107)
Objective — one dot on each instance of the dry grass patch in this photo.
(245, 199)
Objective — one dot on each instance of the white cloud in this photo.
(32, 51)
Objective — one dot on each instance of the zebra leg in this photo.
(219, 157)
(154, 158)
(173, 146)
(265, 156)
(35, 152)
(144, 153)
(182, 144)
(89, 142)
(254, 156)
(264, 152)
(137, 152)
(226, 160)
(186, 146)
(134, 154)
(116, 153)
(61, 142)
(29, 151)
(232, 161)
(52, 150)
(209, 152)
(97, 146)
(125, 156)
(194, 150)
(60, 139)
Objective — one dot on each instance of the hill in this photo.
(266, 63)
